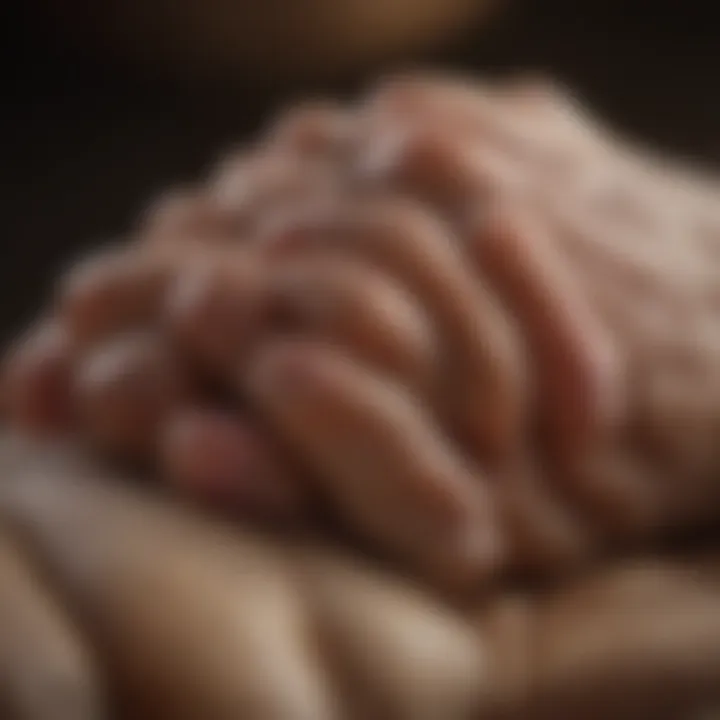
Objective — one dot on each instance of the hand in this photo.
(543, 255)
(175, 616)
(472, 394)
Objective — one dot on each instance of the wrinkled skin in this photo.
(113, 598)
(471, 324)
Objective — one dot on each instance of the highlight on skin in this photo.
(469, 292)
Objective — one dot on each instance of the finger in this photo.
(432, 99)
(360, 310)
(580, 375)
(253, 186)
(37, 380)
(390, 472)
(46, 672)
(110, 292)
(223, 458)
(485, 392)
(319, 129)
(636, 635)
(673, 429)
(192, 621)
(607, 277)
(546, 533)
(579, 371)
(129, 289)
(215, 310)
(126, 389)
(617, 490)
(189, 215)
(532, 121)
(199, 623)
(437, 167)
(430, 111)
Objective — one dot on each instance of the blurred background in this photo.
(108, 102)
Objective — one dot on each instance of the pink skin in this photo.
(126, 389)
(578, 371)
(380, 459)
(222, 458)
(315, 130)
(119, 391)
(36, 382)
(437, 302)
(110, 292)
(190, 215)
(214, 311)
(404, 241)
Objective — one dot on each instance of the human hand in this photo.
(488, 374)
(178, 616)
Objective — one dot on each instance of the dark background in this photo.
(85, 143)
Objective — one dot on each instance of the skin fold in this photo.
(178, 615)
(475, 329)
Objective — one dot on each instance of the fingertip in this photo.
(36, 380)
(224, 459)
(205, 454)
(125, 389)
(110, 291)
(213, 310)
